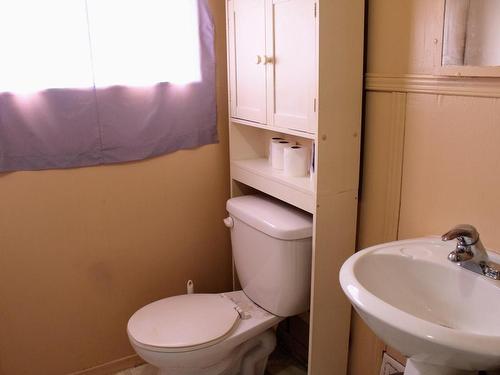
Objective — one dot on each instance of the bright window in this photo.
(85, 43)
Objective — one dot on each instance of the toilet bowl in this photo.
(232, 333)
(233, 338)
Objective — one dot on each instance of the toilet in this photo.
(233, 333)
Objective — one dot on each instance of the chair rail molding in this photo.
(431, 84)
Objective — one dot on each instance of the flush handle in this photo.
(229, 222)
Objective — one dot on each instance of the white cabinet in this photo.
(273, 62)
(295, 70)
(247, 59)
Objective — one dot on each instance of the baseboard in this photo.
(113, 366)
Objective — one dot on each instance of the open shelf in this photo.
(257, 173)
(263, 168)
(277, 129)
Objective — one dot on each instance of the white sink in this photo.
(446, 319)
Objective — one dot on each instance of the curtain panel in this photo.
(76, 127)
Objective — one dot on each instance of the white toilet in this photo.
(232, 333)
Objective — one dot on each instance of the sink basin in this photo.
(445, 318)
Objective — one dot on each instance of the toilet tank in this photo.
(272, 248)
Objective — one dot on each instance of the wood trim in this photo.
(467, 71)
(444, 85)
(113, 366)
(395, 166)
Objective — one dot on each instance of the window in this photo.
(84, 43)
(87, 82)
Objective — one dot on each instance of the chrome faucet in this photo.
(470, 252)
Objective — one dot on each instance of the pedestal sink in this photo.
(445, 318)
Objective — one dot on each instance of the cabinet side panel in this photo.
(331, 311)
(341, 32)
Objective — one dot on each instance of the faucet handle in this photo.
(466, 234)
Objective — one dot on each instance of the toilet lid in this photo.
(184, 322)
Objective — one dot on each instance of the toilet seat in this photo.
(184, 323)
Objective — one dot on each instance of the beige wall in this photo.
(82, 249)
(431, 157)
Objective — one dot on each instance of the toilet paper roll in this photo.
(296, 161)
(271, 141)
(277, 153)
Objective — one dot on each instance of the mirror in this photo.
(471, 33)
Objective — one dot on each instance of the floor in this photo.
(279, 364)
(140, 370)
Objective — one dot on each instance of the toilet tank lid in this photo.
(271, 216)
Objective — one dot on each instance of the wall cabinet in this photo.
(247, 57)
(295, 70)
(272, 60)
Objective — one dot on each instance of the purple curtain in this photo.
(64, 128)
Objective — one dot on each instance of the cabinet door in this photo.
(247, 61)
(292, 102)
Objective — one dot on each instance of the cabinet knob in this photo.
(268, 60)
(263, 60)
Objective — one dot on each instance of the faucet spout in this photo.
(470, 252)
(463, 232)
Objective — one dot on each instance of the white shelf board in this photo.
(257, 173)
(277, 129)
